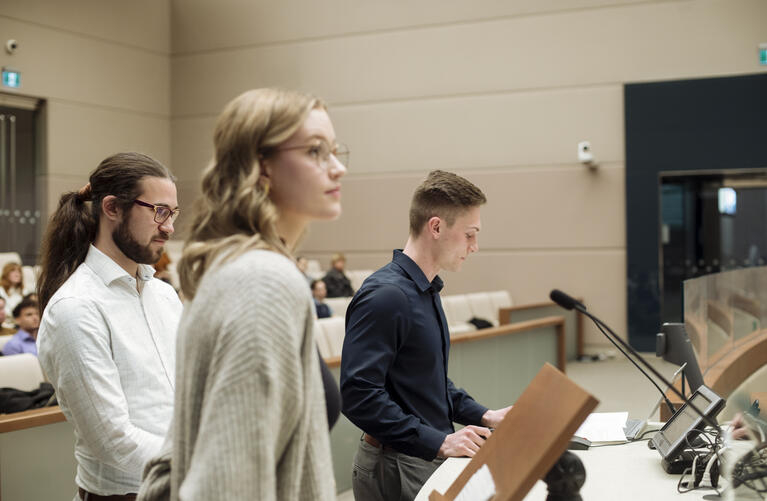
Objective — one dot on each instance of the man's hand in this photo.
(492, 419)
(464, 443)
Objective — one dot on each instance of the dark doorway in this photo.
(20, 209)
(713, 124)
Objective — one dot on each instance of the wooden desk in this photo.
(628, 472)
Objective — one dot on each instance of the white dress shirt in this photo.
(109, 351)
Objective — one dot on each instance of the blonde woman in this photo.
(11, 286)
(250, 417)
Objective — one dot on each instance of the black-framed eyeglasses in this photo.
(321, 151)
(161, 212)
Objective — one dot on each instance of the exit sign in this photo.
(763, 53)
(11, 78)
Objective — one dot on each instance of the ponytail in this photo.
(70, 232)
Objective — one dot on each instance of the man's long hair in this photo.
(72, 228)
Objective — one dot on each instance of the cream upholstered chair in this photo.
(356, 277)
(500, 299)
(322, 340)
(22, 372)
(458, 314)
(482, 307)
(338, 305)
(314, 270)
(29, 274)
(334, 329)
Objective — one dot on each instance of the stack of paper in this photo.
(604, 427)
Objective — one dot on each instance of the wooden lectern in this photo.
(531, 438)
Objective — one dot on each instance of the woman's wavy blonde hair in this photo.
(234, 213)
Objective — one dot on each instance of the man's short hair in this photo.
(25, 303)
(445, 195)
(315, 282)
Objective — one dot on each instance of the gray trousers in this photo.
(379, 475)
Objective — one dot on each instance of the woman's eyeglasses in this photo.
(321, 152)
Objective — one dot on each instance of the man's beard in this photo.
(142, 254)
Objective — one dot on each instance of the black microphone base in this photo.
(565, 478)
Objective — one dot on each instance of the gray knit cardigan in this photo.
(249, 421)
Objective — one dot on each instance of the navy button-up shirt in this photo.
(394, 382)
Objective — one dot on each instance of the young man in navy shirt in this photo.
(394, 364)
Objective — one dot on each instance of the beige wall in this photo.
(103, 68)
(500, 92)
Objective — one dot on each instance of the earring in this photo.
(265, 185)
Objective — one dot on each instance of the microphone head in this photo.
(564, 300)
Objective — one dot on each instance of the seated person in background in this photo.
(319, 292)
(27, 316)
(11, 286)
(303, 264)
(336, 281)
(5, 329)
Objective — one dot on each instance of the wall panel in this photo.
(139, 23)
(647, 41)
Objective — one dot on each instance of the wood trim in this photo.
(504, 330)
(333, 362)
(745, 358)
(505, 314)
(30, 419)
(735, 367)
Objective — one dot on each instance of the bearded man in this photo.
(107, 335)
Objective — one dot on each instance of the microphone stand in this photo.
(581, 308)
(663, 394)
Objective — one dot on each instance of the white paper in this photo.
(604, 427)
(480, 486)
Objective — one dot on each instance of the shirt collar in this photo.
(109, 271)
(24, 335)
(416, 273)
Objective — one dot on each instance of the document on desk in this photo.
(480, 486)
(604, 427)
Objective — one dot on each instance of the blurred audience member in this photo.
(320, 292)
(161, 268)
(336, 281)
(7, 326)
(27, 317)
(303, 266)
(11, 286)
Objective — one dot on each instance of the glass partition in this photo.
(723, 310)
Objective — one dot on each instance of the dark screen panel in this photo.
(704, 124)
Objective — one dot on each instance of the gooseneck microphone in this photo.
(568, 302)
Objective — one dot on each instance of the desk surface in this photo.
(627, 471)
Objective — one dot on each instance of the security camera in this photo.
(585, 156)
(11, 46)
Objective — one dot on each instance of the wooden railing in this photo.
(504, 330)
